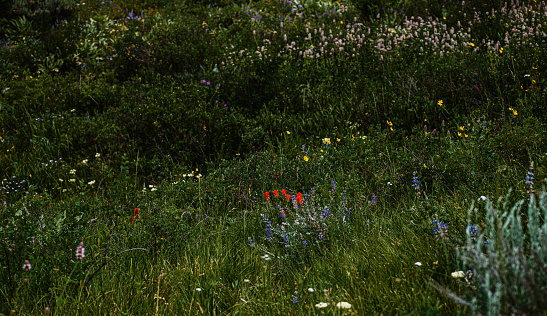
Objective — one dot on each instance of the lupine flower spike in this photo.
(415, 182)
(530, 178)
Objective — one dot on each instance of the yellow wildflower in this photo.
(472, 45)
(459, 134)
(389, 123)
(461, 127)
(440, 102)
(288, 133)
(306, 158)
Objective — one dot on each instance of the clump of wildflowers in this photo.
(440, 230)
(303, 226)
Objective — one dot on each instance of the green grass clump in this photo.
(200, 157)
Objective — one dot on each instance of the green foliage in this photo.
(47, 236)
(507, 257)
(150, 131)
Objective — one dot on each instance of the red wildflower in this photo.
(267, 196)
(136, 215)
(299, 199)
(288, 197)
(275, 193)
(283, 192)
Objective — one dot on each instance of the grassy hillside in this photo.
(273, 157)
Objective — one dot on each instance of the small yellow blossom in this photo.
(440, 102)
(338, 139)
(306, 158)
(425, 166)
(465, 135)
(461, 127)
(352, 137)
(459, 134)
(288, 133)
(501, 50)
(389, 123)
(472, 45)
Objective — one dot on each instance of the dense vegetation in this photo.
(273, 157)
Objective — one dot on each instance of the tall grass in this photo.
(273, 158)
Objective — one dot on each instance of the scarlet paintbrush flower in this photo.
(299, 199)
(288, 197)
(136, 215)
(275, 193)
(283, 192)
(267, 196)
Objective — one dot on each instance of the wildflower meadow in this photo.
(273, 157)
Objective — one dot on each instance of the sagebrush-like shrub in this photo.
(508, 258)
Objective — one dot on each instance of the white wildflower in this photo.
(457, 274)
(343, 305)
(419, 264)
(321, 305)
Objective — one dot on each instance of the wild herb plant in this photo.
(506, 256)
